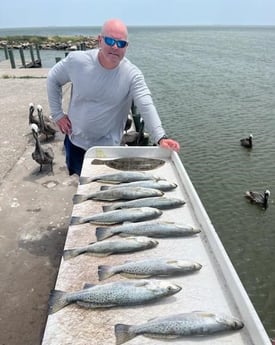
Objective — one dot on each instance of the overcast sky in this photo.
(35, 13)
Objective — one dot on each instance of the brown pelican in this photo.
(46, 124)
(43, 156)
(259, 198)
(32, 118)
(247, 142)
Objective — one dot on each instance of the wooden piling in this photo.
(21, 51)
(11, 56)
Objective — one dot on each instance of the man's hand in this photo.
(169, 144)
(65, 125)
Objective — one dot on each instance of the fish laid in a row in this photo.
(161, 203)
(123, 193)
(159, 229)
(119, 216)
(149, 268)
(121, 293)
(121, 177)
(162, 185)
(105, 248)
(198, 323)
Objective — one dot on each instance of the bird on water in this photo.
(259, 198)
(247, 142)
(43, 156)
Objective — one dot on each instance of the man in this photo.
(104, 84)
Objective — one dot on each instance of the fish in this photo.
(148, 268)
(197, 323)
(120, 293)
(131, 163)
(119, 216)
(159, 229)
(161, 203)
(259, 198)
(162, 185)
(123, 193)
(116, 178)
(105, 248)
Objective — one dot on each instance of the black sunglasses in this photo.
(111, 42)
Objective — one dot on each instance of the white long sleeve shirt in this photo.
(100, 99)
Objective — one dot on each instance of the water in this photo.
(213, 86)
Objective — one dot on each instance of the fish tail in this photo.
(57, 301)
(75, 220)
(102, 233)
(85, 180)
(104, 272)
(78, 198)
(71, 253)
(122, 333)
(107, 208)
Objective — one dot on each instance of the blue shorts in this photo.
(74, 157)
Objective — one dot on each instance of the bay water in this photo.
(213, 86)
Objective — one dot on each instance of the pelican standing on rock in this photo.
(259, 198)
(46, 125)
(247, 142)
(43, 156)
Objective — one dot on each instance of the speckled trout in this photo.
(122, 193)
(123, 176)
(105, 248)
(198, 323)
(162, 185)
(119, 216)
(120, 293)
(161, 202)
(149, 268)
(153, 229)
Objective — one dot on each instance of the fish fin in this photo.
(78, 198)
(85, 180)
(102, 233)
(105, 187)
(57, 301)
(122, 333)
(104, 272)
(97, 162)
(106, 208)
(72, 253)
(88, 285)
(75, 220)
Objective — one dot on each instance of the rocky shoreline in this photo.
(49, 43)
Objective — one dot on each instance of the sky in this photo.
(37, 13)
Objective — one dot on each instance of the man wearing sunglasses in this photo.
(104, 84)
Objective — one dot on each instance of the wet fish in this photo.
(105, 248)
(153, 229)
(162, 203)
(198, 323)
(162, 185)
(131, 163)
(119, 216)
(123, 193)
(120, 293)
(115, 178)
(149, 268)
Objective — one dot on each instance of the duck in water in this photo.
(259, 198)
(247, 142)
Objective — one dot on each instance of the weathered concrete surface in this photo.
(34, 210)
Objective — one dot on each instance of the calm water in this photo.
(213, 86)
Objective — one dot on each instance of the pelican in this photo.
(46, 124)
(40, 155)
(259, 198)
(247, 142)
(32, 118)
